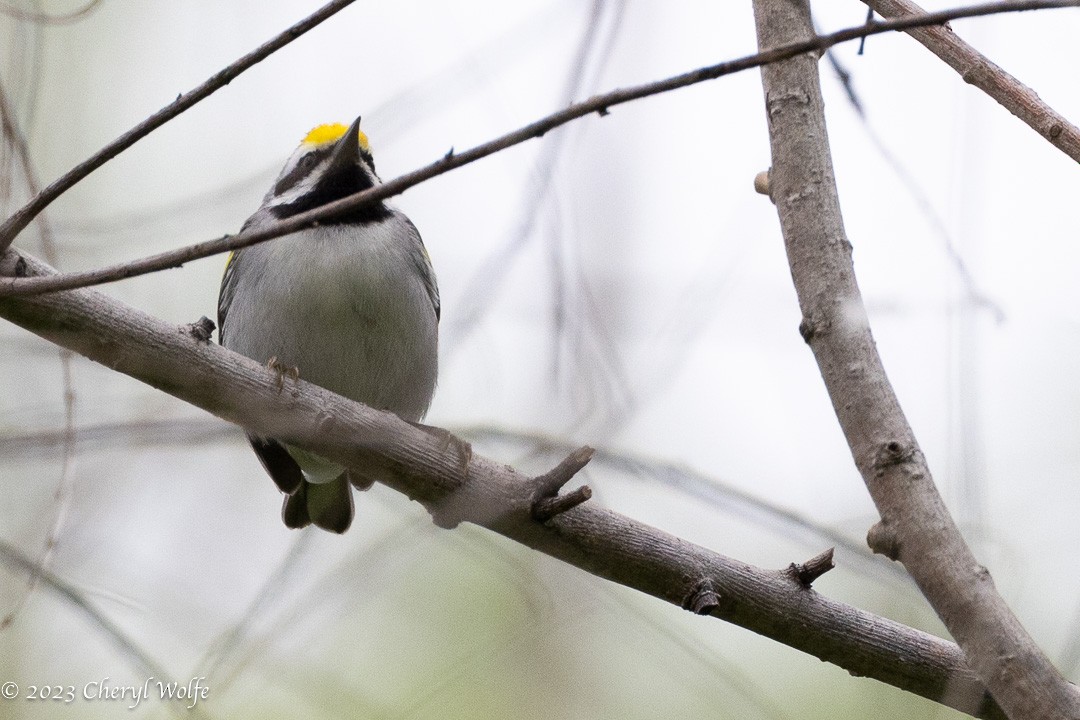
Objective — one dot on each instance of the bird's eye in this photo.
(307, 162)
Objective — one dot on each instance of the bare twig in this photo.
(978, 70)
(14, 137)
(546, 508)
(915, 526)
(187, 432)
(550, 483)
(489, 274)
(806, 573)
(426, 467)
(599, 104)
(973, 293)
(18, 221)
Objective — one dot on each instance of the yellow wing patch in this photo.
(332, 132)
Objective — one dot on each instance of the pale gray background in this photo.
(645, 307)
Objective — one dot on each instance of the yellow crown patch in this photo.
(332, 132)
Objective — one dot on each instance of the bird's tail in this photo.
(327, 505)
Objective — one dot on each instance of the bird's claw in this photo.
(281, 371)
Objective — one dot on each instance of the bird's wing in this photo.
(279, 464)
(423, 265)
(228, 280)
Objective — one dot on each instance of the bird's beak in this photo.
(346, 154)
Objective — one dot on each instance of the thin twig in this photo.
(806, 573)
(599, 104)
(17, 222)
(546, 508)
(65, 486)
(978, 70)
(971, 288)
(15, 137)
(489, 274)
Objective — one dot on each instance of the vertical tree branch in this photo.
(915, 526)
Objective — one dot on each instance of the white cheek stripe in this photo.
(297, 191)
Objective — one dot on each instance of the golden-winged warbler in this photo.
(351, 304)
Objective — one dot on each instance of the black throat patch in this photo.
(334, 185)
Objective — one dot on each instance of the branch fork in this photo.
(546, 500)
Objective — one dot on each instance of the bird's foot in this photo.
(281, 371)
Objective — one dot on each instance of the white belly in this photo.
(358, 321)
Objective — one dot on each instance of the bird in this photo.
(351, 304)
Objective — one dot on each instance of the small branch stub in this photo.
(12, 264)
(883, 541)
(761, 183)
(806, 573)
(202, 329)
(547, 508)
(702, 598)
(547, 503)
(893, 452)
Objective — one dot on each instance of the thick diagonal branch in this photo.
(436, 469)
(915, 526)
